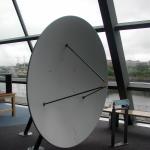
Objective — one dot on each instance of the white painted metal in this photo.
(56, 72)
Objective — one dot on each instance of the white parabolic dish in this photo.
(68, 63)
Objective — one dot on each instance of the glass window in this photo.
(20, 90)
(14, 59)
(141, 100)
(136, 45)
(33, 42)
(2, 85)
(132, 10)
(111, 76)
(102, 36)
(111, 96)
(9, 23)
(38, 14)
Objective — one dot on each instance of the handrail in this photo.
(133, 86)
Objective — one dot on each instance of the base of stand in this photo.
(22, 133)
(119, 144)
(32, 148)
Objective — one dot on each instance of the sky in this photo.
(39, 14)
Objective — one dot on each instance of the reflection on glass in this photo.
(132, 10)
(136, 45)
(14, 59)
(39, 14)
(9, 24)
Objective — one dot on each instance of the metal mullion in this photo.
(99, 28)
(126, 26)
(19, 39)
(22, 23)
(116, 50)
(120, 26)
(133, 25)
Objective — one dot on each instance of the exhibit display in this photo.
(67, 81)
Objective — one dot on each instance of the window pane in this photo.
(132, 10)
(38, 14)
(141, 102)
(20, 90)
(110, 69)
(9, 23)
(136, 44)
(2, 85)
(33, 42)
(102, 36)
(14, 59)
(111, 96)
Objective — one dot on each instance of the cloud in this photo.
(38, 14)
(136, 44)
(132, 10)
(14, 53)
(10, 26)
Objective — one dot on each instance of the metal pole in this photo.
(8, 79)
(126, 126)
(38, 143)
(28, 126)
(22, 23)
(116, 49)
(113, 126)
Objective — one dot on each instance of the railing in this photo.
(136, 86)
